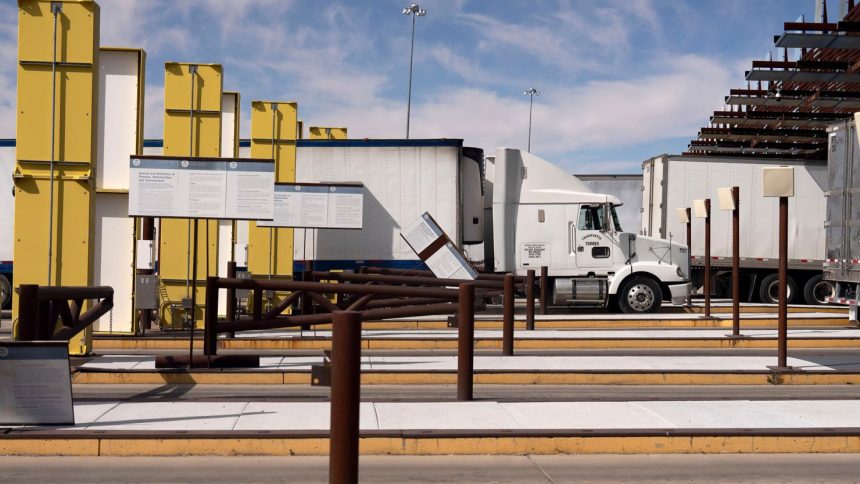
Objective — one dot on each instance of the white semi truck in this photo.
(672, 182)
(541, 216)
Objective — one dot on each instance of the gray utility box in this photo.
(842, 226)
(146, 292)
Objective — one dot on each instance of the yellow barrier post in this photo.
(273, 135)
(192, 127)
(57, 116)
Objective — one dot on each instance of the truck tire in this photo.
(5, 291)
(816, 290)
(639, 295)
(769, 289)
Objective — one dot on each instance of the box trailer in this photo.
(842, 227)
(672, 182)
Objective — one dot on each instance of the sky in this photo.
(620, 80)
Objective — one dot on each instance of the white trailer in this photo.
(672, 182)
(842, 229)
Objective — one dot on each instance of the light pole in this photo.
(415, 11)
(531, 93)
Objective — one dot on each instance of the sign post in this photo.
(729, 200)
(778, 181)
(703, 210)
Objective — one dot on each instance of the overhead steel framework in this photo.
(787, 104)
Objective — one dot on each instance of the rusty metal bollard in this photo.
(508, 316)
(530, 300)
(345, 397)
(465, 341)
(544, 288)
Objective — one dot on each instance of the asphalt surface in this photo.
(382, 393)
(460, 469)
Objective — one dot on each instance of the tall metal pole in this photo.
(56, 8)
(530, 299)
(345, 397)
(415, 11)
(707, 286)
(736, 263)
(531, 105)
(409, 98)
(531, 93)
(783, 283)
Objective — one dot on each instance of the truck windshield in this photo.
(615, 220)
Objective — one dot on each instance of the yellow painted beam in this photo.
(73, 151)
(323, 132)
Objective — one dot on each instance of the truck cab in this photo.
(543, 216)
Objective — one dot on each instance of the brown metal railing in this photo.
(41, 307)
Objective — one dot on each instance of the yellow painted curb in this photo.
(286, 344)
(484, 445)
(488, 378)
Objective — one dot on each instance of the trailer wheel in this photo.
(5, 291)
(768, 291)
(640, 295)
(817, 290)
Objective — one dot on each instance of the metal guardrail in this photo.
(41, 307)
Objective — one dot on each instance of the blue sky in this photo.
(621, 80)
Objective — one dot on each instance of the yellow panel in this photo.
(72, 235)
(207, 90)
(258, 251)
(285, 121)
(73, 120)
(174, 249)
(323, 132)
(36, 27)
(207, 134)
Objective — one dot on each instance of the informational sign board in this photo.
(433, 246)
(317, 206)
(35, 383)
(213, 188)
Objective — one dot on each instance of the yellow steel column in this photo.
(192, 127)
(56, 146)
(323, 132)
(273, 135)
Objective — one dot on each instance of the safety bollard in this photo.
(28, 313)
(508, 316)
(465, 341)
(231, 297)
(530, 300)
(345, 397)
(210, 318)
(544, 288)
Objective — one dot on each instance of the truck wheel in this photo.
(768, 290)
(817, 290)
(5, 291)
(640, 295)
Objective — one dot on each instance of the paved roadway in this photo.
(459, 469)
